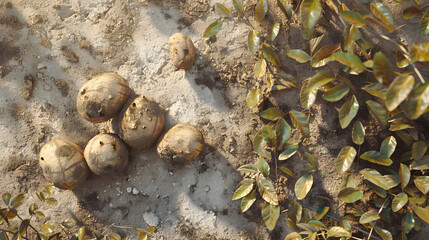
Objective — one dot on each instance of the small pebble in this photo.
(207, 188)
(135, 191)
(129, 189)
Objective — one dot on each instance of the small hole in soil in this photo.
(83, 91)
(134, 105)
(186, 51)
(42, 159)
(101, 143)
(114, 146)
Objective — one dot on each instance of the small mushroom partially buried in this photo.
(102, 97)
(63, 164)
(141, 122)
(181, 143)
(106, 154)
(182, 51)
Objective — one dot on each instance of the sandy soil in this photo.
(50, 48)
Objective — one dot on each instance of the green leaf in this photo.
(287, 171)
(419, 149)
(248, 168)
(401, 60)
(410, 12)
(398, 125)
(369, 216)
(377, 112)
(115, 236)
(388, 146)
(248, 201)
(283, 133)
(260, 68)
(303, 186)
(422, 183)
(422, 164)
(376, 90)
(382, 13)
(407, 223)
(382, 68)
(222, 10)
(319, 79)
(299, 55)
(349, 182)
(358, 133)
(253, 98)
(375, 177)
(289, 151)
(312, 166)
(336, 93)
(307, 96)
(314, 42)
(378, 190)
(338, 232)
(321, 212)
(353, 17)
(419, 51)
(350, 60)
(351, 34)
(310, 13)
(259, 145)
(69, 223)
(295, 212)
(270, 54)
(6, 198)
(267, 191)
(345, 159)
(285, 7)
(269, 134)
(16, 200)
(263, 167)
(238, 5)
(40, 214)
(424, 23)
(384, 234)
(399, 201)
(423, 213)
(300, 121)
(261, 10)
(293, 236)
(23, 227)
(253, 40)
(270, 215)
(212, 29)
(32, 208)
(288, 79)
(81, 233)
(244, 188)
(275, 30)
(48, 227)
(348, 111)
(323, 56)
(272, 113)
(350, 195)
(398, 91)
(404, 175)
(418, 101)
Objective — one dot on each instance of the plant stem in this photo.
(275, 162)
(336, 219)
(16, 213)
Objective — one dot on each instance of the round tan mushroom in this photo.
(181, 143)
(106, 154)
(182, 50)
(63, 164)
(102, 97)
(141, 122)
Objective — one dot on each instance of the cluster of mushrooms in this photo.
(138, 122)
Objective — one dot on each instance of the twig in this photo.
(336, 219)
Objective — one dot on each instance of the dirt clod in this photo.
(29, 84)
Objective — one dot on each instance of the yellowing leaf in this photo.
(321, 212)
(408, 222)
(244, 188)
(369, 216)
(293, 236)
(272, 113)
(376, 157)
(303, 186)
(386, 235)
(270, 214)
(248, 201)
(270, 55)
(375, 177)
(287, 171)
(353, 17)
(314, 42)
(401, 60)
(263, 167)
(410, 12)
(417, 101)
(419, 149)
(267, 191)
(350, 60)
(253, 97)
(388, 146)
(398, 91)
(382, 13)
(310, 13)
(336, 93)
(404, 175)
(319, 79)
(253, 40)
(307, 96)
(298, 54)
(376, 90)
(222, 10)
(275, 30)
(338, 232)
(260, 68)
(399, 201)
(212, 29)
(345, 159)
(348, 111)
(285, 7)
(350, 35)
(300, 121)
(377, 112)
(422, 213)
(289, 151)
(358, 133)
(382, 68)
(422, 183)
(294, 212)
(323, 56)
(350, 195)
(261, 10)
(419, 51)
(424, 23)
(422, 164)
(283, 133)
(238, 5)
